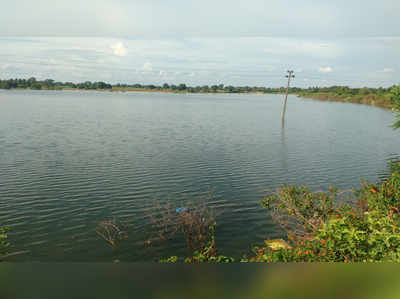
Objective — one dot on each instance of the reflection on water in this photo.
(69, 160)
(284, 148)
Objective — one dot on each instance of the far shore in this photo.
(368, 99)
(147, 90)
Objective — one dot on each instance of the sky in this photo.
(354, 43)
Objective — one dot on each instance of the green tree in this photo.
(395, 95)
(182, 87)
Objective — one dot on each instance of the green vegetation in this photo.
(319, 229)
(50, 84)
(324, 232)
(395, 95)
(182, 88)
(3, 238)
(382, 97)
(207, 253)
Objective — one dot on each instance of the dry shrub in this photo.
(193, 221)
(112, 232)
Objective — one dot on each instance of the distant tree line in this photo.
(200, 89)
(338, 91)
(33, 83)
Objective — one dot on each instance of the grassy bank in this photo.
(380, 97)
(370, 99)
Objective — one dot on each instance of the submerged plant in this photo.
(192, 220)
(196, 222)
(206, 254)
(3, 237)
(111, 232)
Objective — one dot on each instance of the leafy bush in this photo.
(3, 238)
(319, 230)
(298, 210)
(395, 95)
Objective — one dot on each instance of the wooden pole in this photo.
(289, 76)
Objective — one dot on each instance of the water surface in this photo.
(71, 159)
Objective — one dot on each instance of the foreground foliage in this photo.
(395, 92)
(319, 230)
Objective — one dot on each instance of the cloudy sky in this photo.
(251, 42)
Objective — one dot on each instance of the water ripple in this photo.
(68, 164)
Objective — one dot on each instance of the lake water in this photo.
(69, 160)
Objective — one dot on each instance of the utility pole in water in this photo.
(289, 76)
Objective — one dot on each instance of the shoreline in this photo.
(370, 99)
(139, 90)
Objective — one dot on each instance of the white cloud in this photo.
(119, 49)
(304, 47)
(326, 69)
(147, 67)
(231, 61)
